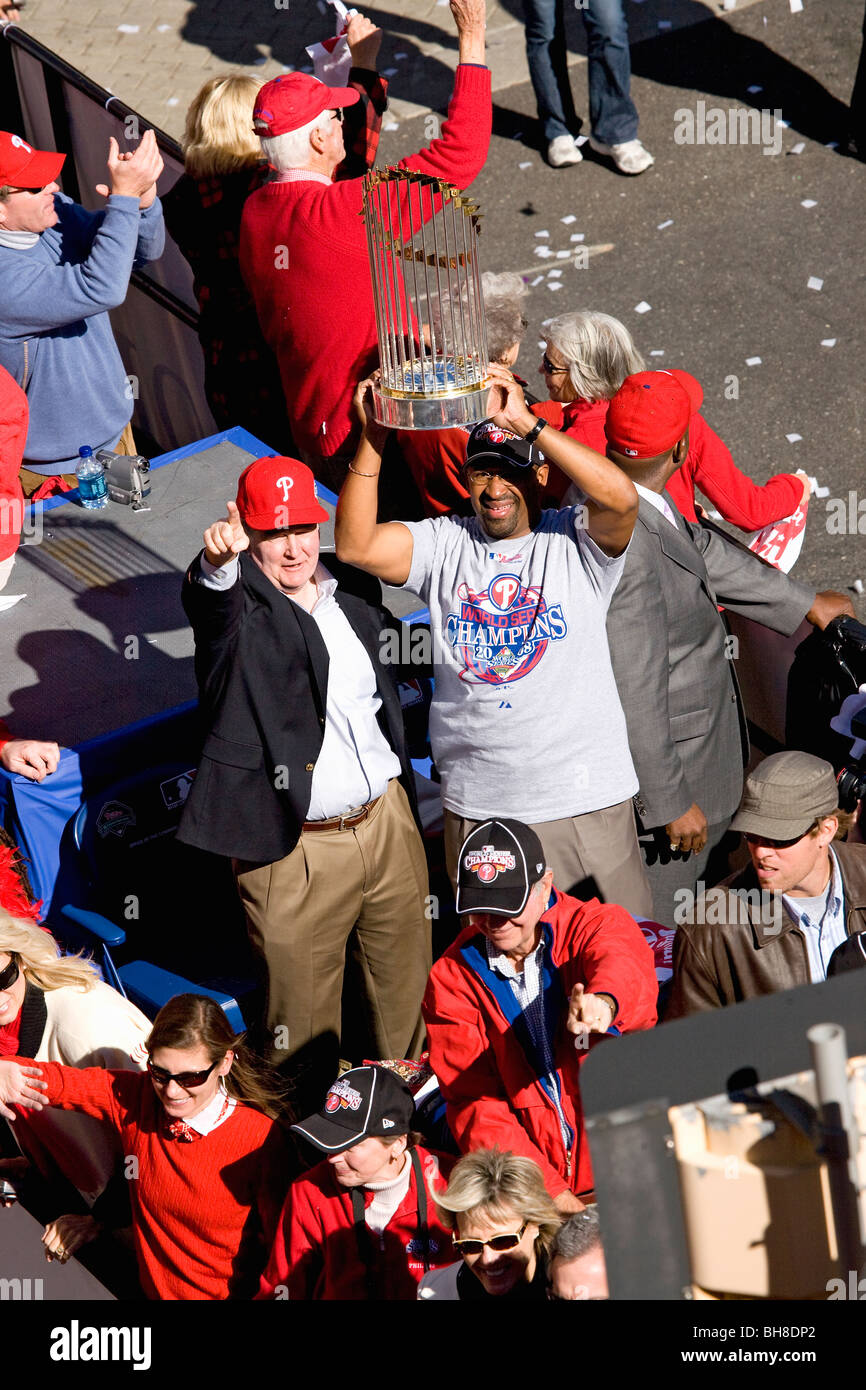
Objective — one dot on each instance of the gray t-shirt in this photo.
(526, 720)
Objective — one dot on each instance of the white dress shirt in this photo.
(656, 500)
(356, 762)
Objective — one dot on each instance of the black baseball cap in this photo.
(362, 1103)
(492, 441)
(499, 863)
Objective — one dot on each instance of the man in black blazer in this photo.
(669, 647)
(304, 780)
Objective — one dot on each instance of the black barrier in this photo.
(54, 106)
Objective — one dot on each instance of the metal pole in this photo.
(840, 1139)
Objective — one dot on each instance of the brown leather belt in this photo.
(346, 822)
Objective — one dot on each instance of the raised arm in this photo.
(612, 501)
(384, 549)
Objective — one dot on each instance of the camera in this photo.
(851, 721)
(127, 478)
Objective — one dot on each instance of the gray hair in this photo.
(292, 150)
(599, 350)
(504, 297)
(578, 1235)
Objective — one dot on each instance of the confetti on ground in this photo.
(173, 101)
(753, 361)
(527, 164)
(563, 255)
(554, 274)
(554, 284)
(828, 342)
(657, 352)
(813, 283)
(796, 6)
(793, 438)
(127, 28)
(808, 203)
(581, 139)
(569, 219)
(642, 308)
(779, 121)
(163, 28)
(577, 236)
(798, 148)
(857, 586)
(391, 125)
(661, 226)
(543, 251)
(537, 281)
(542, 233)
(754, 89)
(818, 491)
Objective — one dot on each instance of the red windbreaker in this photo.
(316, 1254)
(492, 1088)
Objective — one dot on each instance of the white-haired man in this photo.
(303, 246)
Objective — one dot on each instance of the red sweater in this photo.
(204, 1213)
(14, 415)
(315, 298)
(492, 1086)
(709, 466)
(315, 1252)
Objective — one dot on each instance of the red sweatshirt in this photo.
(492, 1086)
(204, 1213)
(303, 255)
(315, 1252)
(14, 416)
(709, 466)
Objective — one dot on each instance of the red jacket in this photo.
(303, 254)
(709, 466)
(14, 415)
(492, 1088)
(315, 1252)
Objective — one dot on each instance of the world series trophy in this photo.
(422, 236)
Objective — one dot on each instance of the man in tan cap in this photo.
(775, 925)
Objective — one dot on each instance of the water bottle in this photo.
(92, 487)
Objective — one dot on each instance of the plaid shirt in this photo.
(362, 122)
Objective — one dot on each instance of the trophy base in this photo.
(419, 412)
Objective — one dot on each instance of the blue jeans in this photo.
(612, 113)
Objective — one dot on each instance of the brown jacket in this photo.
(740, 942)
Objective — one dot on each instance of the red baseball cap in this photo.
(295, 98)
(276, 493)
(21, 166)
(651, 411)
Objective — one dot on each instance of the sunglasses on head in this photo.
(505, 1242)
(10, 974)
(185, 1079)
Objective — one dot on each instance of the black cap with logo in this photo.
(499, 863)
(489, 441)
(363, 1102)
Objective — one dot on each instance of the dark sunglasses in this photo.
(474, 1247)
(188, 1080)
(549, 366)
(11, 972)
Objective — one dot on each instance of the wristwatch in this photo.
(534, 432)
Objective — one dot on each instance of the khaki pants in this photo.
(31, 481)
(364, 888)
(595, 855)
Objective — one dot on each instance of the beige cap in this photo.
(785, 794)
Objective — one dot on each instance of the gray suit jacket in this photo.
(679, 691)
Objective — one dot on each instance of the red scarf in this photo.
(9, 1037)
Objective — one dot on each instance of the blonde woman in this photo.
(223, 164)
(56, 1009)
(503, 1223)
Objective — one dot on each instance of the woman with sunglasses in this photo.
(207, 1164)
(587, 358)
(56, 1009)
(503, 1222)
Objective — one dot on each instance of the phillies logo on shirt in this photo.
(342, 1096)
(500, 635)
(488, 863)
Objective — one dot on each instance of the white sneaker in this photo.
(629, 158)
(562, 151)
